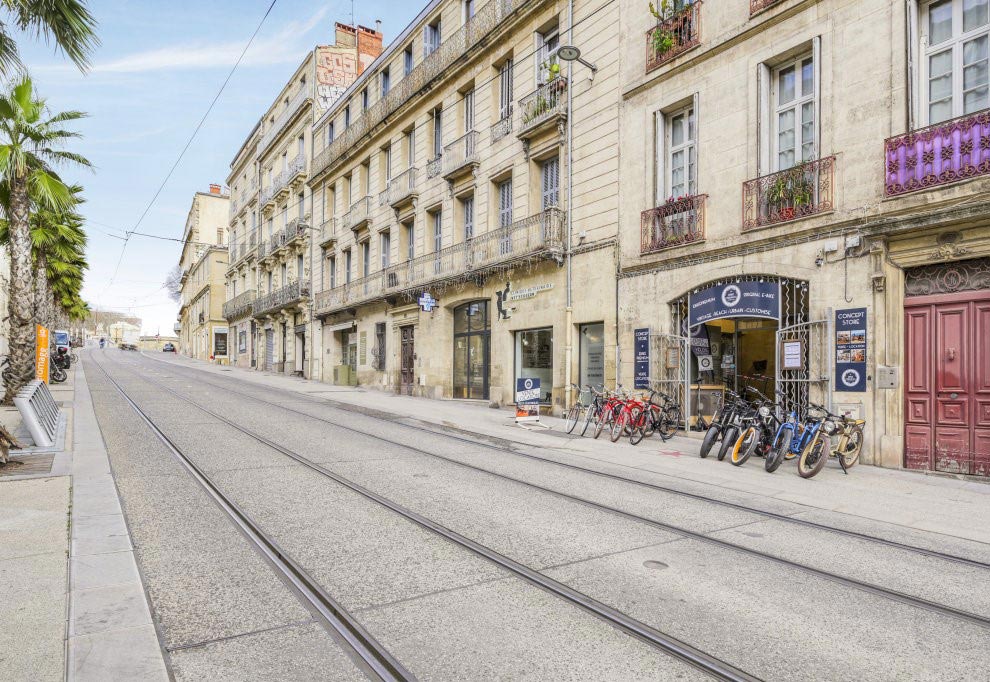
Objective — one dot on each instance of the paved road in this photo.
(766, 597)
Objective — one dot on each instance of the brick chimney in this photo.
(369, 46)
(214, 188)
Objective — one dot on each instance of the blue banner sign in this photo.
(734, 299)
(850, 350)
(527, 400)
(641, 353)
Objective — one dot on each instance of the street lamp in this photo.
(571, 53)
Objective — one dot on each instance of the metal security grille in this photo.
(670, 367)
(269, 349)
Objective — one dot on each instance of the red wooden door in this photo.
(947, 383)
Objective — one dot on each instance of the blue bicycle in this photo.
(791, 438)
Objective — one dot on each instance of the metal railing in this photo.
(677, 222)
(262, 250)
(546, 102)
(272, 131)
(461, 152)
(798, 192)
(673, 36)
(399, 188)
(39, 412)
(290, 294)
(434, 166)
(240, 305)
(282, 181)
(502, 127)
(760, 5)
(954, 150)
(358, 213)
(538, 236)
(451, 51)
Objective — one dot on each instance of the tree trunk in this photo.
(41, 292)
(20, 305)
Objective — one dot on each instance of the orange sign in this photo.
(41, 353)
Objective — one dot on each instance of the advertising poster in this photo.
(527, 400)
(850, 350)
(734, 299)
(641, 353)
(41, 353)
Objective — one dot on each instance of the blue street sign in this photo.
(427, 302)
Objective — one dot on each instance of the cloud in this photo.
(280, 48)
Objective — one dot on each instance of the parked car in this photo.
(168, 348)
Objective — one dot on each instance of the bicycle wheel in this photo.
(668, 422)
(572, 417)
(619, 426)
(711, 435)
(604, 420)
(590, 415)
(637, 425)
(728, 440)
(781, 445)
(813, 456)
(650, 420)
(851, 446)
(745, 445)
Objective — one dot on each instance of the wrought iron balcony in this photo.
(267, 194)
(798, 192)
(673, 36)
(400, 189)
(434, 166)
(677, 222)
(239, 306)
(272, 131)
(760, 5)
(328, 232)
(358, 215)
(263, 252)
(474, 31)
(534, 238)
(502, 127)
(955, 150)
(548, 103)
(291, 295)
(461, 155)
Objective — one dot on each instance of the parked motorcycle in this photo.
(758, 429)
(60, 363)
(720, 423)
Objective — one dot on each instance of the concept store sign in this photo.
(734, 299)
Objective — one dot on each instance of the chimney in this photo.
(378, 25)
(214, 189)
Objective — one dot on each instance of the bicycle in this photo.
(791, 439)
(720, 423)
(595, 410)
(647, 420)
(759, 427)
(574, 412)
(629, 410)
(609, 412)
(849, 444)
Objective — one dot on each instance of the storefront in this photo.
(591, 371)
(472, 351)
(534, 359)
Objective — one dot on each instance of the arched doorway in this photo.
(472, 350)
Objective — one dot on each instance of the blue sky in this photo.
(159, 66)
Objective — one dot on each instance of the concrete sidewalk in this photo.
(939, 504)
(72, 604)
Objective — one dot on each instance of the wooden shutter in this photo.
(550, 183)
(505, 204)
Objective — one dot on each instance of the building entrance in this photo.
(472, 350)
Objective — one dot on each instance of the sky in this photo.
(152, 79)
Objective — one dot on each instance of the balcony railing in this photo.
(673, 36)
(288, 295)
(538, 236)
(502, 127)
(239, 306)
(358, 214)
(681, 221)
(461, 153)
(937, 155)
(262, 250)
(434, 166)
(760, 5)
(267, 194)
(546, 102)
(798, 192)
(272, 131)
(486, 19)
(399, 188)
(283, 180)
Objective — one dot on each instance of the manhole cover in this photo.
(658, 565)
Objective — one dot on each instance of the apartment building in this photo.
(268, 281)
(466, 191)
(202, 328)
(804, 210)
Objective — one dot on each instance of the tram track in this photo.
(888, 593)
(682, 651)
(776, 516)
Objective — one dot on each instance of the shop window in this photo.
(592, 358)
(534, 359)
(378, 352)
(471, 350)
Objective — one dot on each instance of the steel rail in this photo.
(674, 647)
(346, 407)
(895, 595)
(368, 650)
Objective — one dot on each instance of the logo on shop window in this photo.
(731, 296)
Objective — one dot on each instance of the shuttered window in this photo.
(468, 218)
(505, 90)
(505, 203)
(550, 183)
(469, 111)
(386, 247)
(431, 38)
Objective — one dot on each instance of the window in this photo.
(220, 236)
(550, 183)
(378, 352)
(468, 206)
(955, 36)
(270, 281)
(794, 113)
(365, 258)
(285, 274)
(386, 248)
(407, 60)
(469, 111)
(285, 161)
(546, 43)
(534, 358)
(301, 146)
(301, 202)
(469, 7)
(437, 133)
(299, 267)
(347, 266)
(271, 227)
(437, 231)
(505, 90)
(505, 216)
(386, 81)
(411, 146)
(410, 241)
(330, 133)
(431, 38)
(347, 116)
(387, 152)
(364, 100)
(676, 165)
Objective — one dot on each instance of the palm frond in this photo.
(68, 22)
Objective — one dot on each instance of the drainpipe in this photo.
(569, 310)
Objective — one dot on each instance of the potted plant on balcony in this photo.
(780, 196)
(662, 37)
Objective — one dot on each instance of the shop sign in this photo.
(527, 399)
(641, 357)
(850, 350)
(793, 354)
(734, 299)
(529, 292)
(41, 353)
(426, 302)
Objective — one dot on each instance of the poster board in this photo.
(527, 400)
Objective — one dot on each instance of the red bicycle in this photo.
(629, 413)
(609, 411)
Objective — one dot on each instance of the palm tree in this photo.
(29, 138)
(68, 22)
(57, 241)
